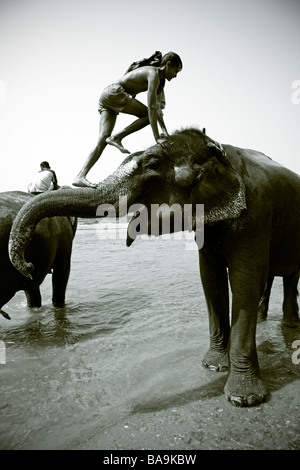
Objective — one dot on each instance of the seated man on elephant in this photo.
(45, 180)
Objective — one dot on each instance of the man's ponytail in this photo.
(154, 60)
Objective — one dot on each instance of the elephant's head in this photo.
(189, 168)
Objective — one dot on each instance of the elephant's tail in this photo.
(5, 315)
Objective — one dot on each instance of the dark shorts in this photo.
(113, 99)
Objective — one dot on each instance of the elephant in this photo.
(251, 223)
(51, 248)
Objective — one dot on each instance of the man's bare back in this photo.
(139, 80)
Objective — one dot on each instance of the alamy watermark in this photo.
(161, 219)
(296, 354)
(2, 92)
(296, 94)
(2, 352)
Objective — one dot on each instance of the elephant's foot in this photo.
(34, 298)
(243, 390)
(216, 360)
(292, 321)
(58, 303)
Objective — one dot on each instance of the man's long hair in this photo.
(156, 60)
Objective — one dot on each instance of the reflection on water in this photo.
(128, 343)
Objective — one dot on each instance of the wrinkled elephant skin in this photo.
(252, 226)
(50, 247)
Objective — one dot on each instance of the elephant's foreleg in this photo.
(60, 279)
(34, 298)
(290, 304)
(215, 284)
(244, 386)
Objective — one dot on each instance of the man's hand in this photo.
(163, 135)
(161, 139)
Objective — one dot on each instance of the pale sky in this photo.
(240, 61)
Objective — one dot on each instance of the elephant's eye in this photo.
(152, 163)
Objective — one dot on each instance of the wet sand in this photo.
(202, 419)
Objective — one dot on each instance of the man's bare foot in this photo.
(115, 143)
(82, 182)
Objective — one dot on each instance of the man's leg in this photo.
(107, 123)
(135, 108)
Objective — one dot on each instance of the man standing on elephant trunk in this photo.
(145, 75)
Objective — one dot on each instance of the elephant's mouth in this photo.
(161, 218)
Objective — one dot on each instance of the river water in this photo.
(120, 366)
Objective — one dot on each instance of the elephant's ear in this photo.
(217, 149)
(219, 187)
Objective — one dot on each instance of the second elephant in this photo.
(51, 248)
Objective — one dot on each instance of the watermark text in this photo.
(2, 352)
(159, 219)
(2, 92)
(296, 93)
(296, 354)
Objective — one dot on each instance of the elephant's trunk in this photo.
(66, 202)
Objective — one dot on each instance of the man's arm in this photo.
(161, 104)
(54, 180)
(153, 83)
(162, 123)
